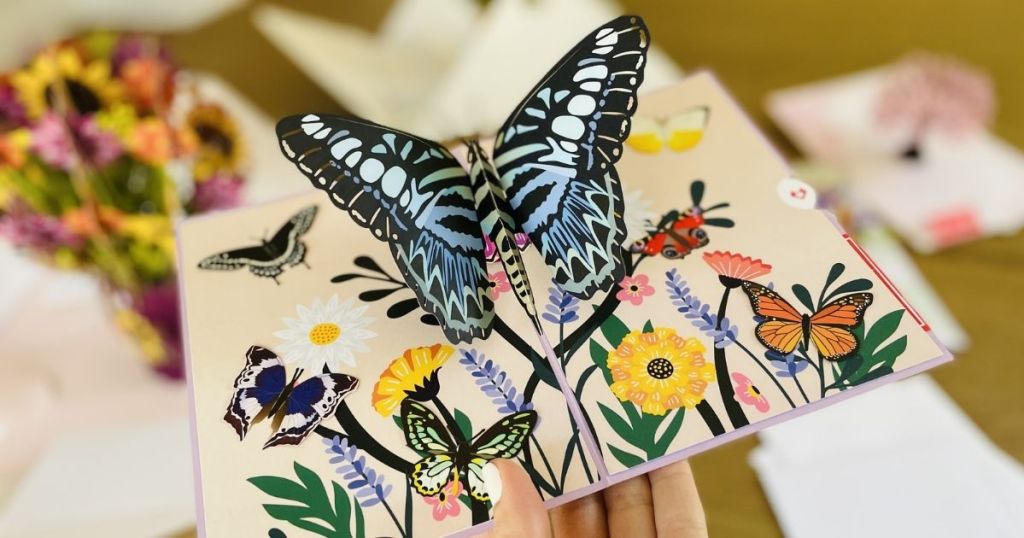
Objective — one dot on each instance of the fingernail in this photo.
(492, 482)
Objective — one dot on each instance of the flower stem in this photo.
(394, 518)
(547, 464)
(710, 418)
(801, 387)
(769, 373)
(732, 407)
(355, 432)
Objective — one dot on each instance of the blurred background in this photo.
(182, 99)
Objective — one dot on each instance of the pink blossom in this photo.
(633, 289)
(499, 284)
(53, 143)
(63, 145)
(221, 191)
(446, 503)
(748, 394)
(34, 231)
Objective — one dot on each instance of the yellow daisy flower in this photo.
(660, 371)
(414, 374)
(143, 332)
(88, 85)
(217, 140)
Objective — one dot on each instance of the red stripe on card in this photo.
(885, 280)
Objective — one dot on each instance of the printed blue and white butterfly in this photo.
(262, 390)
(552, 177)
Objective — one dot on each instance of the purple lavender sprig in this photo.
(699, 313)
(788, 365)
(562, 307)
(368, 486)
(494, 383)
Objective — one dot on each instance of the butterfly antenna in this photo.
(722, 205)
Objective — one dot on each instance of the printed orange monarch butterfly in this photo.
(830, 328)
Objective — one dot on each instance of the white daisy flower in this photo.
(639, 216)
(325, 335)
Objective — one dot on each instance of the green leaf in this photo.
(625, 458)
(853, 286)
(648, 327)
(881, 330)
(316, 493)
(616, 422)
(835, 272)
(888, 354)
(360, 522)
(282, 488)
(300, 517)
(803, 296)
(663, 442)
(342, 504)
(464, 423)
(875, 374)
(646, 429)
(599, 356)
(614, 330)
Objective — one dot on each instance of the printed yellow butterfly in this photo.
(678, 132)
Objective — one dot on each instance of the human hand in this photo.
(662, 503)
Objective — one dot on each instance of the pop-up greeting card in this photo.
(590, 300)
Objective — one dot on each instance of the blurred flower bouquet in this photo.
(103, 143)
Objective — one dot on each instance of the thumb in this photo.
(518, 510)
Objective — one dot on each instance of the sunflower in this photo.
(88, 86)
(660, 371)
(218, 144)
(414, 374)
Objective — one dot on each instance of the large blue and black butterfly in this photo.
(552, 176)
(262, 390)
(446, 459)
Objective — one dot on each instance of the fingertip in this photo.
(518, 509)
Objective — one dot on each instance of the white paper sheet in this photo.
(900, 461)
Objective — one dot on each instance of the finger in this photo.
(582, 517)
(677, 507)
(630, 512)
(518, 510)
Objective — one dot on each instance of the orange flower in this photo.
(152, 141)
(413, 374)
(82, 221)
(148, 82)
(734, 268)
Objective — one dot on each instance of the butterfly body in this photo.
(550, 176)
(447, 458)
(268, 259)
(261, 391)
(829, 329)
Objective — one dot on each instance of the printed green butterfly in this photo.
(448, 460)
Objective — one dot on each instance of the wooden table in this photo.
(755, 46)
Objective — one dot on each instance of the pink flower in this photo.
(62, 145)
(446, 503)
(499, 284)
(491, 250)
(748, 394)
(221, 191)
(52, 142)
(38, 232)
(927, 91)
(634, 289)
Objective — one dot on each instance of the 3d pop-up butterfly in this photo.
(551, 175)
(262, 390)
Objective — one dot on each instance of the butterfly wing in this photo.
(686, 129)
(502, 440)
(411, 193)
(230, 260)
(424, 432)
(309, 403)
(260, 382)
(782, 328)
(555, 156)
(287, 242)
(831, 326)
(645, 135)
